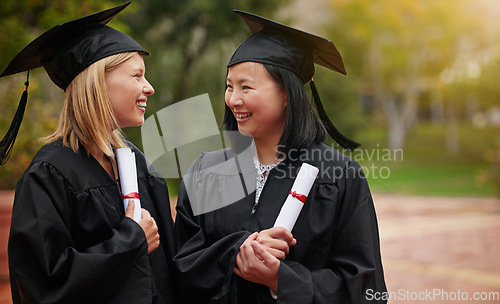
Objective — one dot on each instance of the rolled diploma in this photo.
(128, 178)
(291, 208)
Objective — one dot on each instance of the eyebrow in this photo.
(138, 70)
(241, 80)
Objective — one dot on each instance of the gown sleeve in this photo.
(205, 268)
(46, 264)
(354, 260)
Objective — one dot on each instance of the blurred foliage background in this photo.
(421, 89)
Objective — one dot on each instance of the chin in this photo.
(136, 123)
(140, 122)
(244, 133)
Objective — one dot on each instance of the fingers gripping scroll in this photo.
(148, 225)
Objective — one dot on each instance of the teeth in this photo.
(242, 115)
(142, 104)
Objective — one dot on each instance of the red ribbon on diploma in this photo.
(131, 195)
(300, 197)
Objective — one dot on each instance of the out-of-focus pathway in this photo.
(434, 250)
(440, 250)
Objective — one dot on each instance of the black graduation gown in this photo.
(337, 255)
(70, 242)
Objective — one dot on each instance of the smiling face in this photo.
(257, 101)
(128, 90)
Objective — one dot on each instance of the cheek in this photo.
(227, 98)
(278, 113)
(277, 106)
(122, 102)
(116, 100)
(124, 95)
(113, 89)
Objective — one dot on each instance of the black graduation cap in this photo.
(64, 51)
(279, 45)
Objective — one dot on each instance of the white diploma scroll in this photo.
(128, 180)
(295, 200)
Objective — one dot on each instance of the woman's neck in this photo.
(96, 153)
(103, 160)
(266, 151)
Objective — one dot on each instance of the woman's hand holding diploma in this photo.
(258, 258)
(256, 264)
(276, 241)
(148, 225)
(259, 255)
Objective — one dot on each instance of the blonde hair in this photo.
(87, 118)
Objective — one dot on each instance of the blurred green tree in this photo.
(190, 30)
(401, 51)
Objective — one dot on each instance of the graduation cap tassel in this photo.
(7, 142)
(330, 128)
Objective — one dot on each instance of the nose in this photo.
(234, 99)
(148, 88)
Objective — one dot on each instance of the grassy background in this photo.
(426, 167)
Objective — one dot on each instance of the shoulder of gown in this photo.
(80, 170)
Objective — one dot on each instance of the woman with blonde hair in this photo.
(71, 239)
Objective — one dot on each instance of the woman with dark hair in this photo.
(302, 126)
(228, 249)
